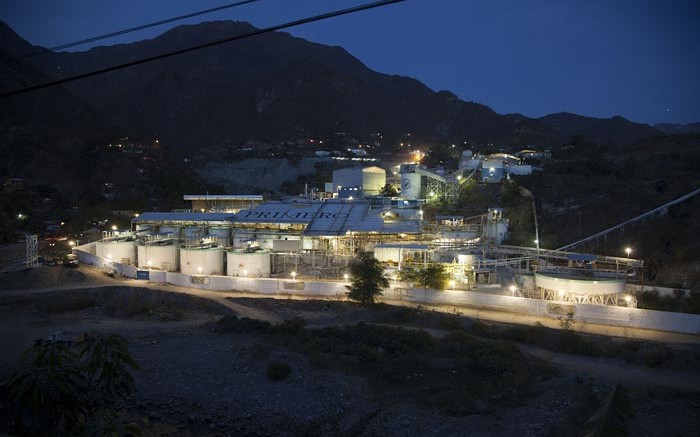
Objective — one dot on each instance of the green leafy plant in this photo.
(367, 279)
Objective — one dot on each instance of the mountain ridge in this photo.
(276, 87)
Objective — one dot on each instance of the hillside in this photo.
(277, 87)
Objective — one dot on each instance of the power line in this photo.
(132, 29)
(256, 32)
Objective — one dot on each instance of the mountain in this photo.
(598, 130)
(277, 87)
(671, 128)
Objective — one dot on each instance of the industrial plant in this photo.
(310, 238)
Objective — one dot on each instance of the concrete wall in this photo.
(599, 314)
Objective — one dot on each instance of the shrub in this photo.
(278, 370)
(496, 356)
(655, 354)
(573, 343)
(233, 324)
(450, 323)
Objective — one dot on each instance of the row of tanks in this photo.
(198, 255)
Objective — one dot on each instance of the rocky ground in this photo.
(193, 381)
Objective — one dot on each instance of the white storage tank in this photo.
(410, 186)
(251, 264)
(202, 260)
(119, 251)
(159, 256)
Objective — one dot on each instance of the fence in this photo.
(599, 314)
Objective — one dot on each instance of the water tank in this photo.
(161, 257)
(205, 261)
(249, 264)
(119, 251)
(410, 186)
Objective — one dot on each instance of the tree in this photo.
(432, 276)
(388, 190)
(69, 390)
(367, 279)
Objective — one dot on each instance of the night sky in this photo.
(636, 58)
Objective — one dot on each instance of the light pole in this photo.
(628, 250)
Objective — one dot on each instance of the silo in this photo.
(410, 186)
(202, 260)
(121, 251)
(161, 255)
(254, 264)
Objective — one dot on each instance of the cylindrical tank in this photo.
(410, 186)
(223, 235)
(249, 264)
(202, 261)
(160, 257)
(119, 251)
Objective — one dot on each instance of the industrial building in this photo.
(365, 181)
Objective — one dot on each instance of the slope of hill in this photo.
(673, 128)
(275, 87)
(598, 130)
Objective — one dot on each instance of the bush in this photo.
(655, 354)
(278, 370)
(233, 324)
(572, 342)
(497, 356)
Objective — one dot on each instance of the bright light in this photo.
(628, 250)
(452, 283)
(136, 215)
(199, 269)
(109, 257)
(294, 275)
(512, 288)
(150, 263)
(245, 272)
(346, 276)
(71, 243)
(114, 227)
(628, 298)
(561, 294)
(350, 198)
(537, 241)
(459, 177)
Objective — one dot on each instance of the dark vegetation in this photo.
(588, 187)
(73, 389)
(566, 340)
(680, 301)
(121, 302)
(367, 279)
(454, 373)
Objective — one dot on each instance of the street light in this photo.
(512, 290)
(294, 275)
(150, 263)
(628, 298)
(628, 250)
(245, 273)
(346, 276)
(452, 284)
(71, 243)
(199, 269)
(114, 227)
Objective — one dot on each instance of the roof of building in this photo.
(222, 197)
(204, 217)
